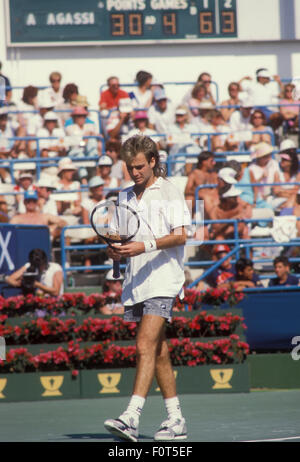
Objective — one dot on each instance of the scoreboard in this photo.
(69, 22)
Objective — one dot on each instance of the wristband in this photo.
(150, 246)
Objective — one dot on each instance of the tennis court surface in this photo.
(256, 416)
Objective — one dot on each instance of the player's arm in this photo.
(176, 238)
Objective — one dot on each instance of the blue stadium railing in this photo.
(46, 161)
(238, 243)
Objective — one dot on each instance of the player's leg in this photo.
(174, 427)
(149, 335)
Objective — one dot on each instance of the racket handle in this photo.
(116, 269)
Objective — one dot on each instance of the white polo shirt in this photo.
(161, 209)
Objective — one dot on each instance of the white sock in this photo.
(173, 408)
(135, 407)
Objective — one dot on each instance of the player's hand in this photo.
(132, 249)
(112, 253)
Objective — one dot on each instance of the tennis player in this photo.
(154, 277)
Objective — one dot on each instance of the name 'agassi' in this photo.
(127, 5)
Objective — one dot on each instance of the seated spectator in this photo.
(203, 125)
(282, 270)
(141, 124)
(33, 217)
(96, 196)
(110, 98)
(104, 170)
(142, 95)
(180, 140)
(24, 183)
(233, 100)
(80, 101)
(203, 79)
(296, 212)
(240, 124)
(65, 182)
(218, 125)
(229, 207)
(287, 173)
(10, 148)
(45, 187)
(120, 122)
(260, 131)
(37, 120)
(55, 147)
(261, 209)
(28, 105)
(264, 93)
(244, 275)
(78, 144)
(8, 88)
(4, 214)
(119, 169)
(161, 114)
(199, 95)
(54, 92)
(290, 110)
(225, 271)
(49, 280)
(70, 94)
(204, 173)
(112, 288)
(263, 171)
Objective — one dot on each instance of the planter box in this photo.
(118, 382)
(38, 386)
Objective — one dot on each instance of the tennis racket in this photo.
(114, 223)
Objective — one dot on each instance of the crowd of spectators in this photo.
(237, 147)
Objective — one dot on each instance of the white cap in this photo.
(96, 181)
(3, 110)
(227, 174)
(65, 164)
(264, 73)
(110, 277)
(105, 160)
(163, 155)
(287, 144)
(46, 181)
(125, 105)
(50, 115)
(246, 102)
(25, 175)
(181, 110)
(206, 105)
(232, 192)
(45, 101)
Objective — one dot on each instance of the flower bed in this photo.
(56, 330)
(72, 304)
(107, 355)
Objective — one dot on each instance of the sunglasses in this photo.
(55, 80)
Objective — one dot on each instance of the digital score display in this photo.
(46, 22)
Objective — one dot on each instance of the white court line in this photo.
(273, 439)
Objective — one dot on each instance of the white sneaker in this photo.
(124, 428)
(171, 429)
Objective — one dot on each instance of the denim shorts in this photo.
(159, 306)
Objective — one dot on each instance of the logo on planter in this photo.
(52, 384)
(109, 382)
(3, 383)
(221, 377)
